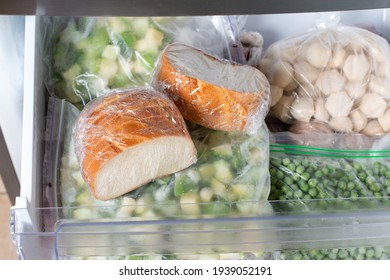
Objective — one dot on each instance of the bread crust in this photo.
(207, 104)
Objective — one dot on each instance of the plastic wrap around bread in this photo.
(129, 138)
(214, 93)
(336, 75)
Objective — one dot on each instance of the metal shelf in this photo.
(179, 7)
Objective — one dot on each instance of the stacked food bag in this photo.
(182, 135)
(329, 119)
(171, 126)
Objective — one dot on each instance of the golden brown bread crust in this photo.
(110, 124)
(207, 104)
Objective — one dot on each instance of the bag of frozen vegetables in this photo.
(327, 175)
(87, 55)
(231, 168)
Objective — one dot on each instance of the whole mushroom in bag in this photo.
(337, 75)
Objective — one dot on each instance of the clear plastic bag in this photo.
(335, 74)
(215, 93)
(320, 173)
(128, 138)
(216, 35)
(327, 169)
(230, 177)
(86, 56)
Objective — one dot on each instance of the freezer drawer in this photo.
(361, 226)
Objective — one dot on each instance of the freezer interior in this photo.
(335, 228)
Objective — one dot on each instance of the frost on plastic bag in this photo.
(211, 92)
(128, 138)
(338, 75)
(87, 55)
(229, 178)
(326, 171)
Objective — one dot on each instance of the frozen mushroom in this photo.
(339, 104)
(355, 89)
(373, 128)
(338, 57)
(359, 120)
(291, 86)
(309, 91)
(318, 53)
(281, 74)
(378, 85)
(384, 121)
(276, 94)
(320, 114)
(356, 67)
(341, 124)
(302, 109)
(282, 109)
(305, 73)
(372, 105)
(330, 81)
(265, 65)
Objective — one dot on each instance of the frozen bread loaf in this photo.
(126, 139)
(211, 92)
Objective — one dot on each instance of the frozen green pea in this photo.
(377, 194)
(342, 254)
(378, 253)
(370, 253)
(290, 194)
(342, 185)
(350, 186)
(305, 163)
(375, 187)
(305, 176)
(305, 186)
(360, 257)
(280, 184)
(370, 179)
(318, 174)
(313, 193)
(288, 181)
(280, 174)
(357, 166)
(325, 171)
(276, 162)
(291, 167)
(296, 177)
(297, 256)
(362, 176)
(300, 169)
(354, 194)
(298, 193)
(286, 161)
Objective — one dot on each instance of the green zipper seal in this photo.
(324, 152)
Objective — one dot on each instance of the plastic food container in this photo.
(272, 230)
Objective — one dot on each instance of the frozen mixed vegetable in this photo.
(231, 167)
(93, 54)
